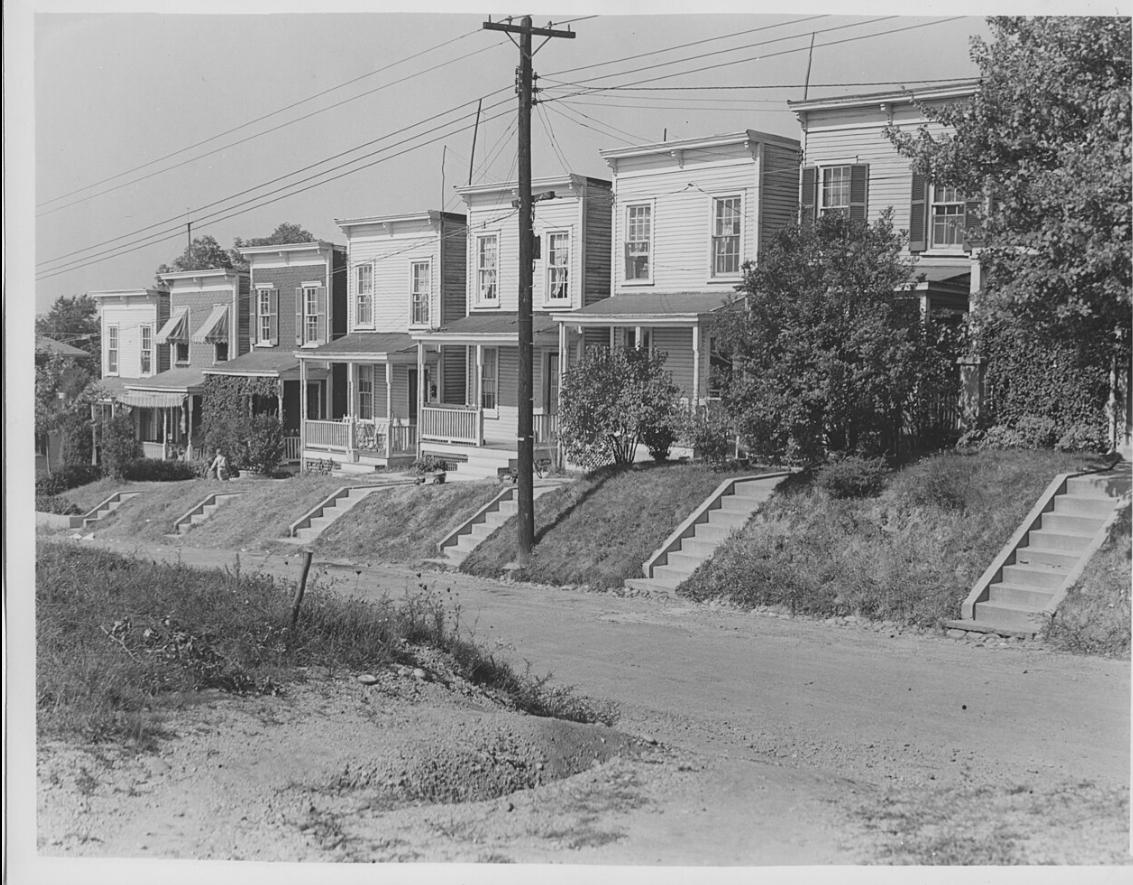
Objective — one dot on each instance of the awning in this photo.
(215, 328)
(175, 327)
(146, 400)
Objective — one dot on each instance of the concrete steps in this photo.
(727, 509)
(202, 512)
(105, 508)
(314, 523)
(460, 543)
(1031, 575)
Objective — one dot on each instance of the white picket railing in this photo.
(545, 428)
(332, 435)
(453, 424)
(291, 448)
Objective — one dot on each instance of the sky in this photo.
(128, 107)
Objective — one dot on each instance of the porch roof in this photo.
(490, 328)
(151, 399)
(648, 307)
(258, 363)
(183, 381)
(937, 275)
(361, 345)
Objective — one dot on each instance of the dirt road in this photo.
(792, 741)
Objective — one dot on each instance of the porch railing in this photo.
(352, 435)
(546, 428)
(402, 440)
(453, 424)
(291, 448)
(331, 435)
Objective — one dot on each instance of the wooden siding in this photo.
(339, 288)
(779, 193)
(285, 280)
(200, 301)
(453, 387)
(454, 252)
(130, 318)
(598, 223)
(677, 343)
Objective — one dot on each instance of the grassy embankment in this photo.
(600, 528)
(403, 524)
(909, 555)
(119, 640)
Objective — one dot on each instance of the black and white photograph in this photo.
(643, 443)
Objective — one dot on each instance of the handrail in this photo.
(454, 536)
(700, 514)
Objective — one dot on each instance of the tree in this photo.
(73, 321)
(285, 233)
(59, 384)
(1047, 138)
(203, 253)
(829, 351)
(612, 400)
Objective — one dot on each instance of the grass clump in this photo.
(1094, 618)
(599, 529)
(909, 555)
(119, 639)
(853, 477)
(405, 523)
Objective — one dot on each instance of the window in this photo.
(419, 292)
(834, 194)
(558, 265)
(219, 351)
(726, 219)
(486, 255)
(489, 378)
(630, 341)
(112, 350)
(267, 306)
(310, 313)
(181, 353)
(946, 229)
(366, 392)
(364, 295)
(146, 363)
(639, 235)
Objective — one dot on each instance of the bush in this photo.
(943, 483)
(853, 477)
(65, 479)
(659, 440)
(55, 504)
(75, 428)
(156, 470)
(263, 445)
(119, 446)
(709, 434)
(428, 464)
(1082, 438)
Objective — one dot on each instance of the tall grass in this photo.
(599, 529)
(120, 639)
(909, 555)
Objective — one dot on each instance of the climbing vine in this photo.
(228, 423)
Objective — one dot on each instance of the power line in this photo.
(260, 118)
(551, 138)
(784, 85)
(632, 137)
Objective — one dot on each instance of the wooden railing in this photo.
(402, 440)
(291, 448)
(332, 435)
(370, 434)
(453, 424)
(545, 428)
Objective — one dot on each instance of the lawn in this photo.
(599, 529)
(909, 555)
(403, 524)
(119, 639)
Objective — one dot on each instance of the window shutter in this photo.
(859, 191)
(917, 211)
(973, 236)
(321, 325)
(299, 315)
(808, 198)
(255, 311)
(274, 317)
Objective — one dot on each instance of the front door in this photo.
(314, 400)
(413, 397)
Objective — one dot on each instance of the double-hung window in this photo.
(834, 191)
(366, 392)
(946, 229)
(112, 350)
(726, 223)
(364, 295)
(487, 255)
(267, 311)
(558, 266)
(310, 313)
(146, 361)
(639, 241)
(419, 285)
(181, 353)
(489, 378)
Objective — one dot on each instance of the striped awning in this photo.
(175, 327)
(215, 328)
(150, 400)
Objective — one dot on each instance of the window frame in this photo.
(821, 206)
(958, 225)
(493, 410)
(549, 271)
(113, 363)
(145, 353)
(177, 361)
(713, 273)
(216, 352)
(367, 323)
(310, 297)
(262, 315)
(365, 379)
(419, 299)
(646, 280)
(478, 269)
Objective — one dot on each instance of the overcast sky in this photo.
(114, 93)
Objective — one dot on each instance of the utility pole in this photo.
(526, 444)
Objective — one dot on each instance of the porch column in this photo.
(189, 432)
(302, 409)
(695, 365)
(93, 435)
(350, 410)
(325, 408)
(389, 409)
(637, 337)
(611, 337)
(164, 434)
(562, 370)
(480, 393)
(279, 399)
(420, 379)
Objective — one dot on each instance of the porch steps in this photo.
(201, 512)
(472, 463)
(695, 540)
(104, 508)
(456, 547)
(312, 524)
(1027, 581)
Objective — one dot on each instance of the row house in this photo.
(472, 415)
(297, 301)
(850, 165)
(364, 393)
(687, 215)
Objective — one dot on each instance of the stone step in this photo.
(670, 576)
(1008, 616)
(1032, 555)
(1052, 540)
(698, 546)
(752, 491)
(707, 531)
(1076, 525)
(1018, 595)
(1038, 577)
(732, 504)
(686, 562)
(1082, 505)
(1110, 485)
(725, 518)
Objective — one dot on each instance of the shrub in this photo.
(75, 428)
(1082, 438)
(263, 445)
(119, 446)
(428, 464)
(67, 478)
(659, 440)
(853, 477)
(55, 504)
(709, 432)
(156, 470)
(943, 483)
